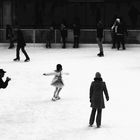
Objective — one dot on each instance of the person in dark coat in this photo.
(20, 45)
(76, 33)
(2, 83)
(113, 35)
(97, 88)
(64, 33)
(49, 37)
(121, 31)
(99, 37)
(10, 36)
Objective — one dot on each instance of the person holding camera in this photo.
(3, 84)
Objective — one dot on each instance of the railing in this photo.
(87, 36)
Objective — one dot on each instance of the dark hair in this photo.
(58, 67)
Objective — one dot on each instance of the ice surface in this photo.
(26, 109)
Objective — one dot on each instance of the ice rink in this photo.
(26, 109)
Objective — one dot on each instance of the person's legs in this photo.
(17, 54)
(25, 53)
(98, 118)
(118, 42)
(100, 41)
(123, 42)
(54, 95)
(92, 116)
(57, 94)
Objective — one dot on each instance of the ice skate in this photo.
(16, 59)
(27, 60)
(90, 125)
(57, 98)
(53, 99)
(100, 54)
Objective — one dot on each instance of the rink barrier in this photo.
(87, 36)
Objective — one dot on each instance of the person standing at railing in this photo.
(20, 45)
(49, 37)
(99, 38)
(10, 35)
(121, 31)
(76, 33)
(64, 33)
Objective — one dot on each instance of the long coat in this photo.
(97, 88)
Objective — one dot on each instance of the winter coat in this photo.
(76, 30)
(97, 88)
(20, 39)
(121, 29)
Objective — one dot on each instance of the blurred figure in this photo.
(2, 83)
(10, 35)
(97, 88)
(76, 33)
(49, 37)
(113, 35)
(99, 37)
(64, 33)
(20, 45)
(120, 31)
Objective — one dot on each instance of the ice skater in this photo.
(2, 83)
(99, 38)
(20, 45)
(96, 99)
(57, 81)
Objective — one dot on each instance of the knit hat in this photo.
(97, 75)
(2, 71)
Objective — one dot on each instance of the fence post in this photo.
(34, 31)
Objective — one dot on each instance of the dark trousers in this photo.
(98, 116)
(64, 42)
(11, 43)
(120, 40)
(23, 50)
(114, 40)
(48, 44)
(76, 42)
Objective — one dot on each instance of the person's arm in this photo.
(91, 91)
(48, 74)
(106, 92)
(66, 73)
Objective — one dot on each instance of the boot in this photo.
(16, 59)
(100, 54)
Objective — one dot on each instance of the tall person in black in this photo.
(121, 32)
(76, 32)
(64, 33)
(99, 37)
(20, 45)
(97, 88)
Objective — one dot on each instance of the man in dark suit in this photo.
(20, 45)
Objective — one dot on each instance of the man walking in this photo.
(20, 45)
